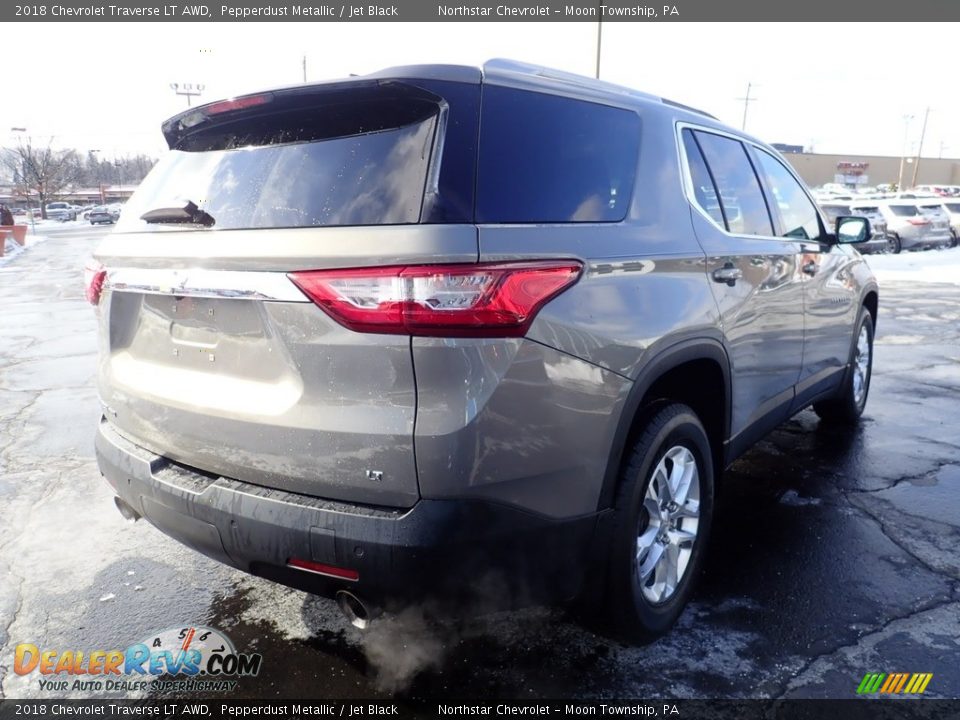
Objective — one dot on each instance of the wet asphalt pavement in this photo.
(835, 552)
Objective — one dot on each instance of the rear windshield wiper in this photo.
(188, 214)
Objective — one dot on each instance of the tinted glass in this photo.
(551, 159)
(904, 210)
(953, 207)
(359, 156)
(797, 212)
(835, 211)
(704, 191)
(740, 193)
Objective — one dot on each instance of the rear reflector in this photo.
(93, 276)
(482, 300)
(321, 569)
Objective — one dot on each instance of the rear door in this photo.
(211, 355)
(756, 279)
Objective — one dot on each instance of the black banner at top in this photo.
(478, 11)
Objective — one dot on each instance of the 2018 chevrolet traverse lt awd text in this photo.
(441, 330)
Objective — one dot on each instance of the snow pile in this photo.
(12, 248)
(933, 266)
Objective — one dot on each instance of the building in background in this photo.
(871, 170)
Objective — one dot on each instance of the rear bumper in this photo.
(459, 550)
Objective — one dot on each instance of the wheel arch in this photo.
(689, 373)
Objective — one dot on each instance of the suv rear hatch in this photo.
(211, 355)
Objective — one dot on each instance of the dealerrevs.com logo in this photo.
(198, 658)
(894, 683)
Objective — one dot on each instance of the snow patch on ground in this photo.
(935, 266)
(13, 248)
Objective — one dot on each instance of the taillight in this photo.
(483, 300)
(94, 275)
(918, 221)
(240, 103)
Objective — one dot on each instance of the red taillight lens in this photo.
(484, 300)
(918, 221)
(240, 103)
(94, 275)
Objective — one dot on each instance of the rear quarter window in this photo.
(549, 159)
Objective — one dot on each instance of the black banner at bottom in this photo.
(860, 709)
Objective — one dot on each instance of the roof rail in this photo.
(674, 103)
(522, 68)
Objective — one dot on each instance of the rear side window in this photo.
(548, 159)
(740, 194)
(704, 191)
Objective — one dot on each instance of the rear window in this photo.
(356, 156)
(835, 211)
(548, 159)
(904, 210)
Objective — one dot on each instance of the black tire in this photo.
(633, 616)
(847, 406)
(894, 244)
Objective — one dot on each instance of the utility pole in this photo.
(916, 165)
(746, 104)
(599, 41)
(903, 154)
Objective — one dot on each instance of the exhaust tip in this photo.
(354, 609)
(126, 509)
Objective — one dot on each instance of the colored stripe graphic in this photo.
(903, 680)
(894, 683)
(870, 683)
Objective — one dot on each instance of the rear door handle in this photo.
(728, 274)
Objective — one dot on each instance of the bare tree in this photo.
(42, 170)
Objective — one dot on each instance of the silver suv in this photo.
(467, 333)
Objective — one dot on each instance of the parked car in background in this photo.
(952, 207)
(939, 219)
(910, 229)
(61, 211)
(500, 348)
(939, 190)
(878, 242)
(103, 215)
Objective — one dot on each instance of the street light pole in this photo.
(99, 177)
(188, 90)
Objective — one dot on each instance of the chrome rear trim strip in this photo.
(235, 284)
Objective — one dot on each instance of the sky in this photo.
(838, 88)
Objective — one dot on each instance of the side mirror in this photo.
(852, 230)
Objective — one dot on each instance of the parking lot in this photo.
(835, 552)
